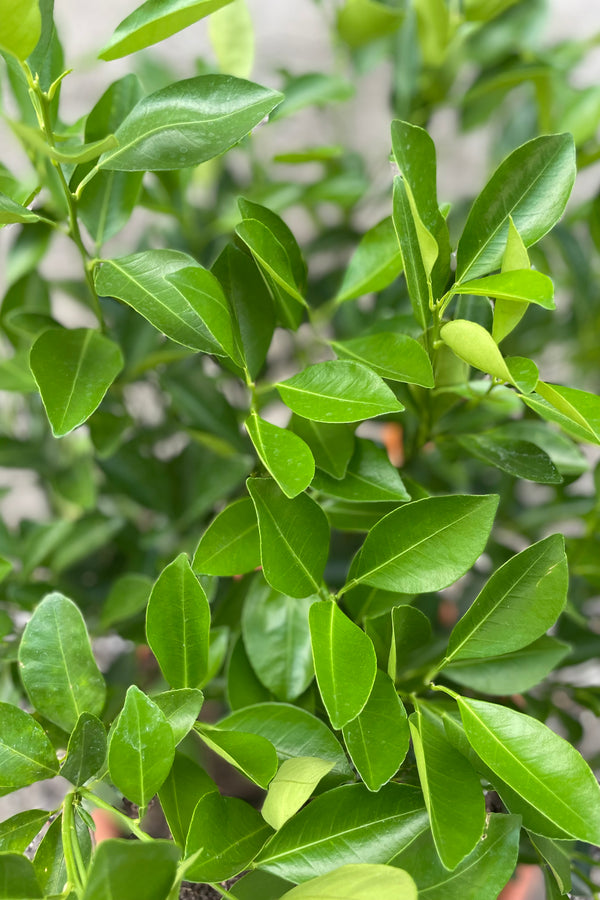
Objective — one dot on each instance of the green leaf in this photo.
(411, 631)
(17, 832)
(519, 458)
(370, 477)
(457, 816)
(416, 245)
(524, 373)
(577, 412)
(348, 824)
(510, 673)
(154, 21)
(15, 374)
(252, 754)
(20, 28)
(378, 738)
(532, 186)
(285, 455)
(18, 880)
(230, 545)
(56, 663)
(345, 663)
(178, 623)
(26, 754)
(244, 687)
(375, 263)
(519, 603)
(86, 752)
(259, 884)
(141, 748)
(49, 861)
(73, 370)
(558, 859)
(508, 313)
(294, 538)
(281, 233)
(338, 391)
(292, 787)
(331, 445)
(277, 639)
(293, 732)
(523, 285)
(481, 876)
(122, 869)
(232, 37)
(270, 255)
(357, 882)
(537, 764)
(72, 153)
(180, 793)
(188, 122)
(128, 596)
(12, 212)
(450, 533)
(362, 21)
(313, 89)
(224, 837)
(181, 708)
(565, 455)
(471, 342)
(394, 356)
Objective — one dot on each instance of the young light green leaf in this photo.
(370, 477)
(12, 212)
(394, 356)
(20, 27)
(345, 662)
(141, 748)
(154, 21)
(362, 21)
(73, 369)
(338, 391)
(294, 538)
(518, 457)
(508, 313)
(230, 545)
(49, 859)
(86, 752)
(475, 345)
(26, 754)
(181, 708)
(122, 868)
(348, 824)
(18, 831)
(188, 122)
(224, 837)
(457, 817)
(375, 264)
(532, 186)
(449, 532)
(357, 882)
(178, 623)
(204, 294)
(277, 639)
(285, 455)
(510, 673)
(292, 787)
(519, 285)
(19, 880)
(232, 37)
(56, 663)
(378, 738)
(519, 603)
(252, 754)
(415, 240)
(536, 763)
(577, 412)
(180, 793)
(331, 445)
(524, 373)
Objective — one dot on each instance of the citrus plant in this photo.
(306, 507)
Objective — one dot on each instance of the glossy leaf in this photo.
(73, 369)
(154, 21)
(411, 631)
(508, 313)
(293, 732)
(141, 748)
(348, 824)
(577, 412)
(244, 688)
(181, 708)
(536, 763)
(285, 455)
(86, 752)
(188, 123)
(277, 639)
(292, 786)
(331, 445)
(252, 754)
(370, 477)
(18, 880)
(415, 242)
(565, 455)
(230, 545)
(345, 662)
(270, 255)
(517, 285)
(338, 391)
(225, 835)
(282, 233)
(394, 356)
(426, 545)
(180, 793)
(56, 663)
(177, 625)
(378, 738)
(294, 538)
(12, 212)
(20, 27)
(357, 882)
(203, 292)
(457, 816)
(18, 831)
(471, 342)
(122, 868)
(518, 457)
(532, 186)
(519, 603)
(375, 264)
(26, 754)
